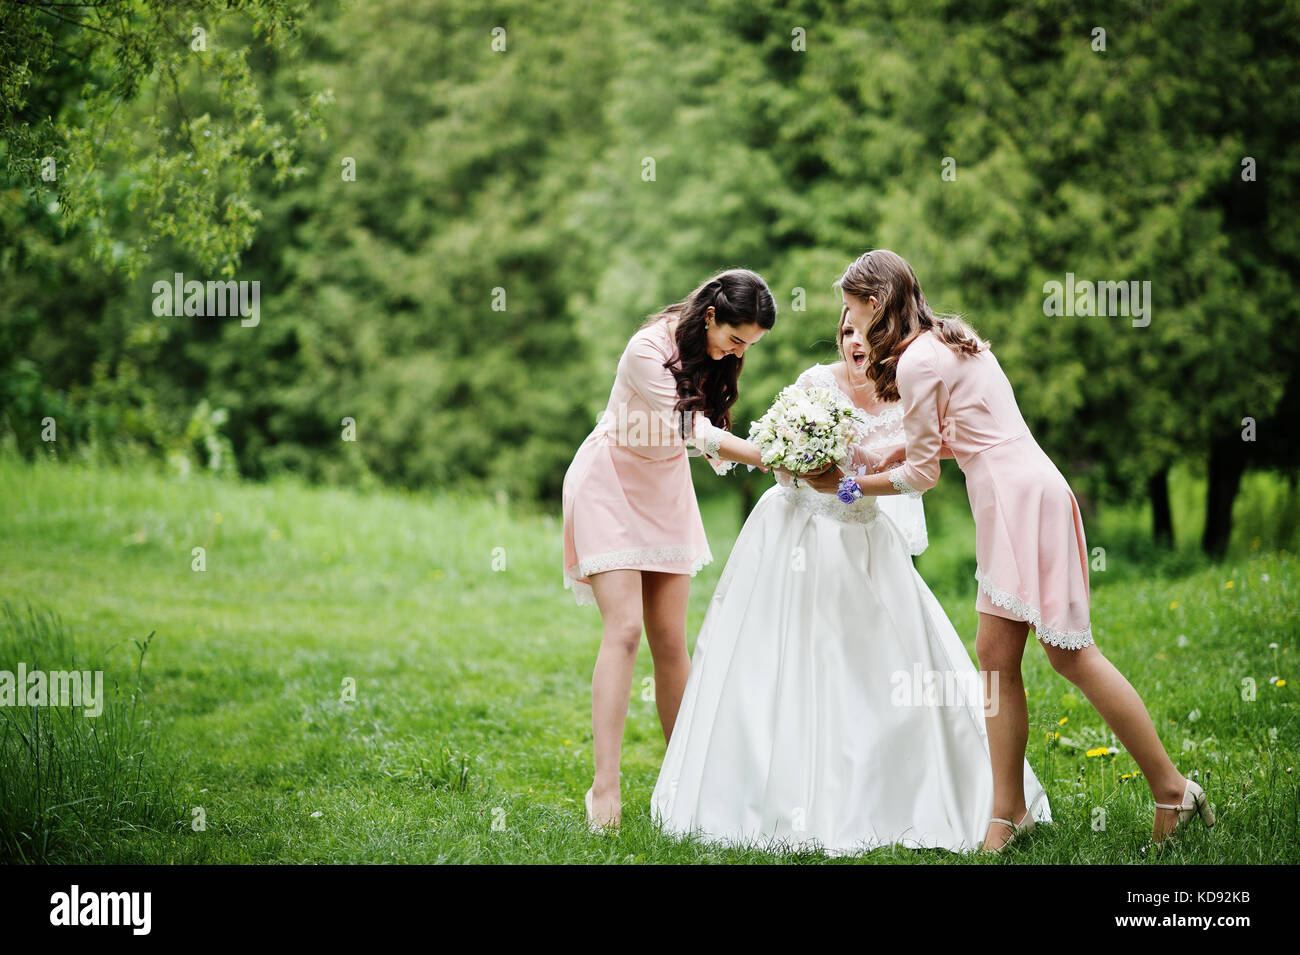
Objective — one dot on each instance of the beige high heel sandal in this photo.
(1199, 805)
(1017, 830)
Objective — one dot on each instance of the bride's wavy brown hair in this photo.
(706, 385)
(903, 314)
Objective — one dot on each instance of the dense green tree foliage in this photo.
(458, 212)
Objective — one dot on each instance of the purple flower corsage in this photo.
(848, 488)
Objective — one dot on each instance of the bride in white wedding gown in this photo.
(831, 704)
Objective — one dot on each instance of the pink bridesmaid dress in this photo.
(1031, 555)
(628, 500)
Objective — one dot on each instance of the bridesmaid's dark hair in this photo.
(903, 314)
(706, 385)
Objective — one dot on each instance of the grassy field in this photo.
(228, 738)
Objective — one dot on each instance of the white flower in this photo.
(805, 430)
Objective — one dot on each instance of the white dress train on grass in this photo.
(830, 702)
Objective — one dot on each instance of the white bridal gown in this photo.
(831, 703)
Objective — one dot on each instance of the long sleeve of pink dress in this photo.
(1031, 553)
(628, 500)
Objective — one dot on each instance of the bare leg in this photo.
(1122, 709)
(618, 595)
(1000, 645)
(664, 597)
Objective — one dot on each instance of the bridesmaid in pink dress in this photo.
(1031, 558)
(633, 537)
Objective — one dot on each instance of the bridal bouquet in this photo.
(805, 430)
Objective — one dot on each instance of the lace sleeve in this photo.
(705, 438)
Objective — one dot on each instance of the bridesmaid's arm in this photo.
(925, 400)
(877, 485)
(646, 374)
(658, 388)
(717, 443)
(872, 485)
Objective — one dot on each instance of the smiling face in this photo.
(727, 339)
(855, 317)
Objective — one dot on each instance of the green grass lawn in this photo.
(469, 739)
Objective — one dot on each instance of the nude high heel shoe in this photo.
(1023, 828)
(1194, 803)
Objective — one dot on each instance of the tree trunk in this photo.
(1162, 518)
(1227, 462)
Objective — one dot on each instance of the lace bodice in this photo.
(878, 436)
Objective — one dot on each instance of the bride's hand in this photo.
(827, 480)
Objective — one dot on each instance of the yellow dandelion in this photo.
(1228, 586)
(1161, 656)
(1280, 683)
(1062, 721)
(1099, 751)
(1174, 605)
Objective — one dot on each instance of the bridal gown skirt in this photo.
(830, 702)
